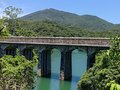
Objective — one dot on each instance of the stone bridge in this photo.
(44, 45)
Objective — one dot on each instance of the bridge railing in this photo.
(79, 41)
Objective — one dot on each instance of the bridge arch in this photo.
(44, 64)
(28, 52)
(10, 50)
(55, 62)
(45, 44)
(68, 62)
(79, 63)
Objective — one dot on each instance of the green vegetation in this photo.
(113, 85)
(52, 29)
(105, 70)
(10, 18)
(3, 29)
(16, 72)
(88, 22)
(51, 22)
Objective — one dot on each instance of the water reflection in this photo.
(54, 84)
(43, 84)
(79, 61)
(55, 63)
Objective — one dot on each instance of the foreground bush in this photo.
(16, 73)
(105, 70)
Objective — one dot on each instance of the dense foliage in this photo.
(52, 29)
(3, 29)
(16, 73)
(105, 70)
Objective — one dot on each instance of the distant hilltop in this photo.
(88, 22)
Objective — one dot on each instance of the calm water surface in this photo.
(79, 60)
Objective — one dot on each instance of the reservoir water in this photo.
(79, 66)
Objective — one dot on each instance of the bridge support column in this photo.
(91, 57)
(45, 63)
(26, 51)
(66, 66)
(2, 52)
(21, 48)
(28, 54)
(90, 60)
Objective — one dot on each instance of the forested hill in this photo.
(88, 22)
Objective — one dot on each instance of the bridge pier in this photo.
(26, 50)
(28, 53)
(2, 52)
(91, 60)
(91, 52)
(66, 66)
(45, 63)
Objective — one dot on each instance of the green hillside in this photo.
(88, 22)
(52, 29)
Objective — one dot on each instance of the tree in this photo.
(3, 29)
(11, 15)
(12, 12)
(16, 73)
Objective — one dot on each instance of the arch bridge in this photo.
(44, 45)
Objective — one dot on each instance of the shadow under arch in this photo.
(10, 50)
(28, 53)
(1, 52)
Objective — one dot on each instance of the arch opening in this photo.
(79, 63)
(55, 63)
(28, 53)
(10, 50)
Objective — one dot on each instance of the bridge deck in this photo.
(74, 41)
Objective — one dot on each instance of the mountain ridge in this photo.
(88, 22)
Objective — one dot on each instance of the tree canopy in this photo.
(16, 72)
(105, 70)
(12, 12)
(11, 18)
(3, 29)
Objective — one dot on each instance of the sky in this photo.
(106, 9)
